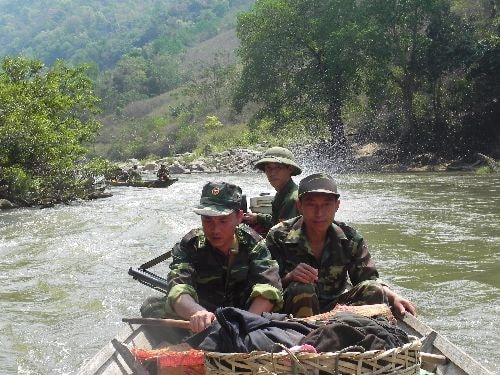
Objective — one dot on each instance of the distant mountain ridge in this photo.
(143, 55)
(194, 59)
(103, 32)
(169, 81)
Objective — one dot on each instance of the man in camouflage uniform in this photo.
(316, 255)
(279, 165)
(221, 264)
(162, 173)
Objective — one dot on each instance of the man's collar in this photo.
(296, 231)
(286, 188)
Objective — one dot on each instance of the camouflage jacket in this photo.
(345, 254)
(215, 280)
(284, 206)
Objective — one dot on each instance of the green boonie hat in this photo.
(318, 183)
(279, 155)
(219, 199)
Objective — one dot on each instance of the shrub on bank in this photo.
(46, 124)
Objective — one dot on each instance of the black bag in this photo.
(239, 331)
(348, 329)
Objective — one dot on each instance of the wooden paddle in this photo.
(159, 322)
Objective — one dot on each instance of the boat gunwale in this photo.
(435, 343)
(458, 362)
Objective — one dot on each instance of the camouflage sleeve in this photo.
(263, 275)
(277, 253)
(362, 266)
(264, 220)
(182, 273)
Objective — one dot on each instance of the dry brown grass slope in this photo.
(206, 52)
(220, 48)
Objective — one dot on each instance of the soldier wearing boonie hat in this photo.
(279, 165)
(318, 256)
(200, 278)
(279, 155)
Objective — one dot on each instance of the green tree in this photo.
(421, 52)
(302, 59)
(481, 131)
(46, 121)
(163, 74)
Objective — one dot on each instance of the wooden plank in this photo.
(459, 357)
(433, 359)
(109, 361)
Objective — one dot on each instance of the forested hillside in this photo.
(418, 75)
(63, 61)
(134, 47)
(102, 32)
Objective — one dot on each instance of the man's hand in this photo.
(399, 304)
(201, 320)
(250, 218)
(303, 273)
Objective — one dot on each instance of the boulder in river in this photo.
(6, 204)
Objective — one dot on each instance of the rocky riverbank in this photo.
(236, 160)
(371, 157)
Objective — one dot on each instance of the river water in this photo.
(64, 284)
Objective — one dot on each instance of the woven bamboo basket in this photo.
(404, 360)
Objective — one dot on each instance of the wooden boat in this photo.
(439, 355)
(144, 183)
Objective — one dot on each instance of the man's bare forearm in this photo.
(260, 305)
(185, 306)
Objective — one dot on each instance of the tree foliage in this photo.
(134, 46)
(46, 121)
(482, 105)
(412, 67)
(417, 68)
(302, 59)
(419, 75)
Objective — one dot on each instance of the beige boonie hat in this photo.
(279, 155)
